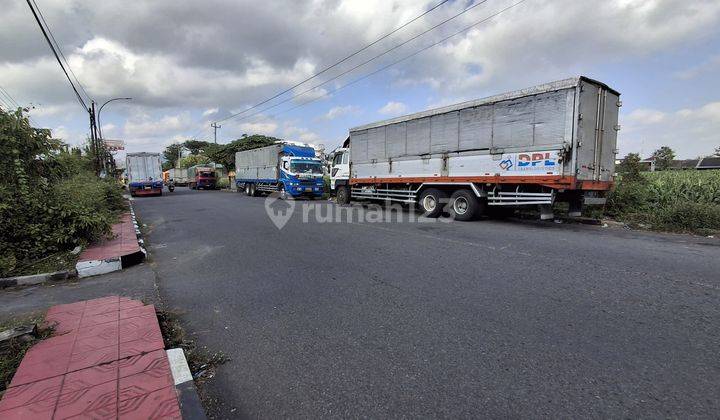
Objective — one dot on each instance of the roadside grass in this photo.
(59, 261)
(674, 201)
(12, 353)
(201, 361)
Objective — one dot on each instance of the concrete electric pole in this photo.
(215, 126)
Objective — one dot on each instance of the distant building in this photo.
(684, 164)
(708, 163)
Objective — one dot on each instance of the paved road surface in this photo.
(490, 318)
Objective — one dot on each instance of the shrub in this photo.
(687, 201)
(50, 200)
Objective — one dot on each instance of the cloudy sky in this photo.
(187, 63)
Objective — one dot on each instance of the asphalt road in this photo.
(482, 319)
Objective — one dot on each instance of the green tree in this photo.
(171, 154)
(225, 153)
(193, 160)
(630, 167)
(196, 147)
(663, 158)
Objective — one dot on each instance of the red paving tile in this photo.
(142, 362)
(160, 404)
(47, 389)
(93, 358)
(147, 310)
(39, 410)
(133, 348)
(85, 378)
(106, 360)
(144, 382)
(124, 242)
(85, 400)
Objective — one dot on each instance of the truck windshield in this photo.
(207, 174)
(305, 167)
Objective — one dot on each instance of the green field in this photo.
(682, 201)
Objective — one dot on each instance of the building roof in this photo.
(684, 164)
(709, 163)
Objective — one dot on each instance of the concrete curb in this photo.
(96, 267)
(190, 405)
(33, 279)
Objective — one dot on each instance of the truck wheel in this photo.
(283, 193)
(431, 202)
(464, 205)
(247, 189)
(343, 194)
(253, 191)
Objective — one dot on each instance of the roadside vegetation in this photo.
(675, 201)
(50, 198)
(13, 350)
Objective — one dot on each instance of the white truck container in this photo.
(553, 142)
(179, 176)
(144, 172)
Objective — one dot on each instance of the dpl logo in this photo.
(535, 159)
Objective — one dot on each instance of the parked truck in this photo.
(290, 169)
(536, 146)
(201, 176)
(179, 176)
(144, 172)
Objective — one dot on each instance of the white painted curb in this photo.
(179, 366)
(95, 267)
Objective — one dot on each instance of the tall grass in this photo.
(685, 201)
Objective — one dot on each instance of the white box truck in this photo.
(535, 146)
(144, 172)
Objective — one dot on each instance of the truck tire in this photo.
(464, 205)
(253, 190)
(283, 194)
(432, 202)
(343, 194)
(247, 189)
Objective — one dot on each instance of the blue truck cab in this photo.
(290, 169)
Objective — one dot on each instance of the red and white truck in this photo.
(535, 146)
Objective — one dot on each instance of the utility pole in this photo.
(215, 126)
(94, 140)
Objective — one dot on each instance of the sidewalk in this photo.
(105, 360)
(112, 254)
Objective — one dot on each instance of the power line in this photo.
(339, 62)
(379, 70)
(371, 59)
(57, 45)
(465, 29)
(57, 57)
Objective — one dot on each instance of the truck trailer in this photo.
(535, 146)
(201, 176)
(290, 169)
(179, 176)
(144, 172)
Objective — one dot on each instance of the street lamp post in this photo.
(100, 110)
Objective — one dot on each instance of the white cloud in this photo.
(393, 108)
(691, 132)
(267, 128)
(646, 116)
(339, 111)
(710, 65)
(209, 112)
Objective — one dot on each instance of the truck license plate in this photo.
(308, 189)
(148, 188)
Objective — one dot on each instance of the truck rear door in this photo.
(597, 135)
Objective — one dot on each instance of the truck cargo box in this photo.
(559, 134)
